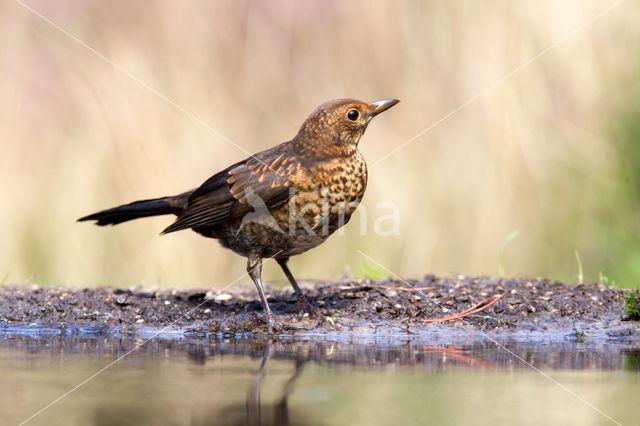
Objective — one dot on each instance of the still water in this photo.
(280, 382)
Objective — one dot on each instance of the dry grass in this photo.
(533, 154)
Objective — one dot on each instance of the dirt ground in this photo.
(345, 305)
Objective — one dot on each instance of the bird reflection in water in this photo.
(278, 413)
(254, 412)
(224, 398)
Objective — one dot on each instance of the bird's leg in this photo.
(254, 268)
(303, 302)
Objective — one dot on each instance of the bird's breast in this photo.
(339, 183)
(329, 193)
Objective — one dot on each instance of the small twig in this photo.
(472, 310)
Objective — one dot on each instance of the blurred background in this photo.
(537, 177)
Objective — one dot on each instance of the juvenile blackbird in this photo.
(280, 202)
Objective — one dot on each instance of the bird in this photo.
(279, 202)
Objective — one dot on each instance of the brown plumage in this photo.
(279, 202)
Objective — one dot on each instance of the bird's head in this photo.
(335, 127)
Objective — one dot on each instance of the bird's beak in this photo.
(382, 105)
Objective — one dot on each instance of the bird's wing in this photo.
(260, 180)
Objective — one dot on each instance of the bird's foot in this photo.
(273, 326)
(303, 306)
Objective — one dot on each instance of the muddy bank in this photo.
(530, 310)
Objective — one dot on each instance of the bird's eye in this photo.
(353, 114)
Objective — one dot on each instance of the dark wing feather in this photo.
(263, 179)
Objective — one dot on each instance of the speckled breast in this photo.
(324, 198)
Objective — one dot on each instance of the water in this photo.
(212, 381)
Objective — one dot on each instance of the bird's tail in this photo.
(136, 210)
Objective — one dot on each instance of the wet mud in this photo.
(530, 310)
